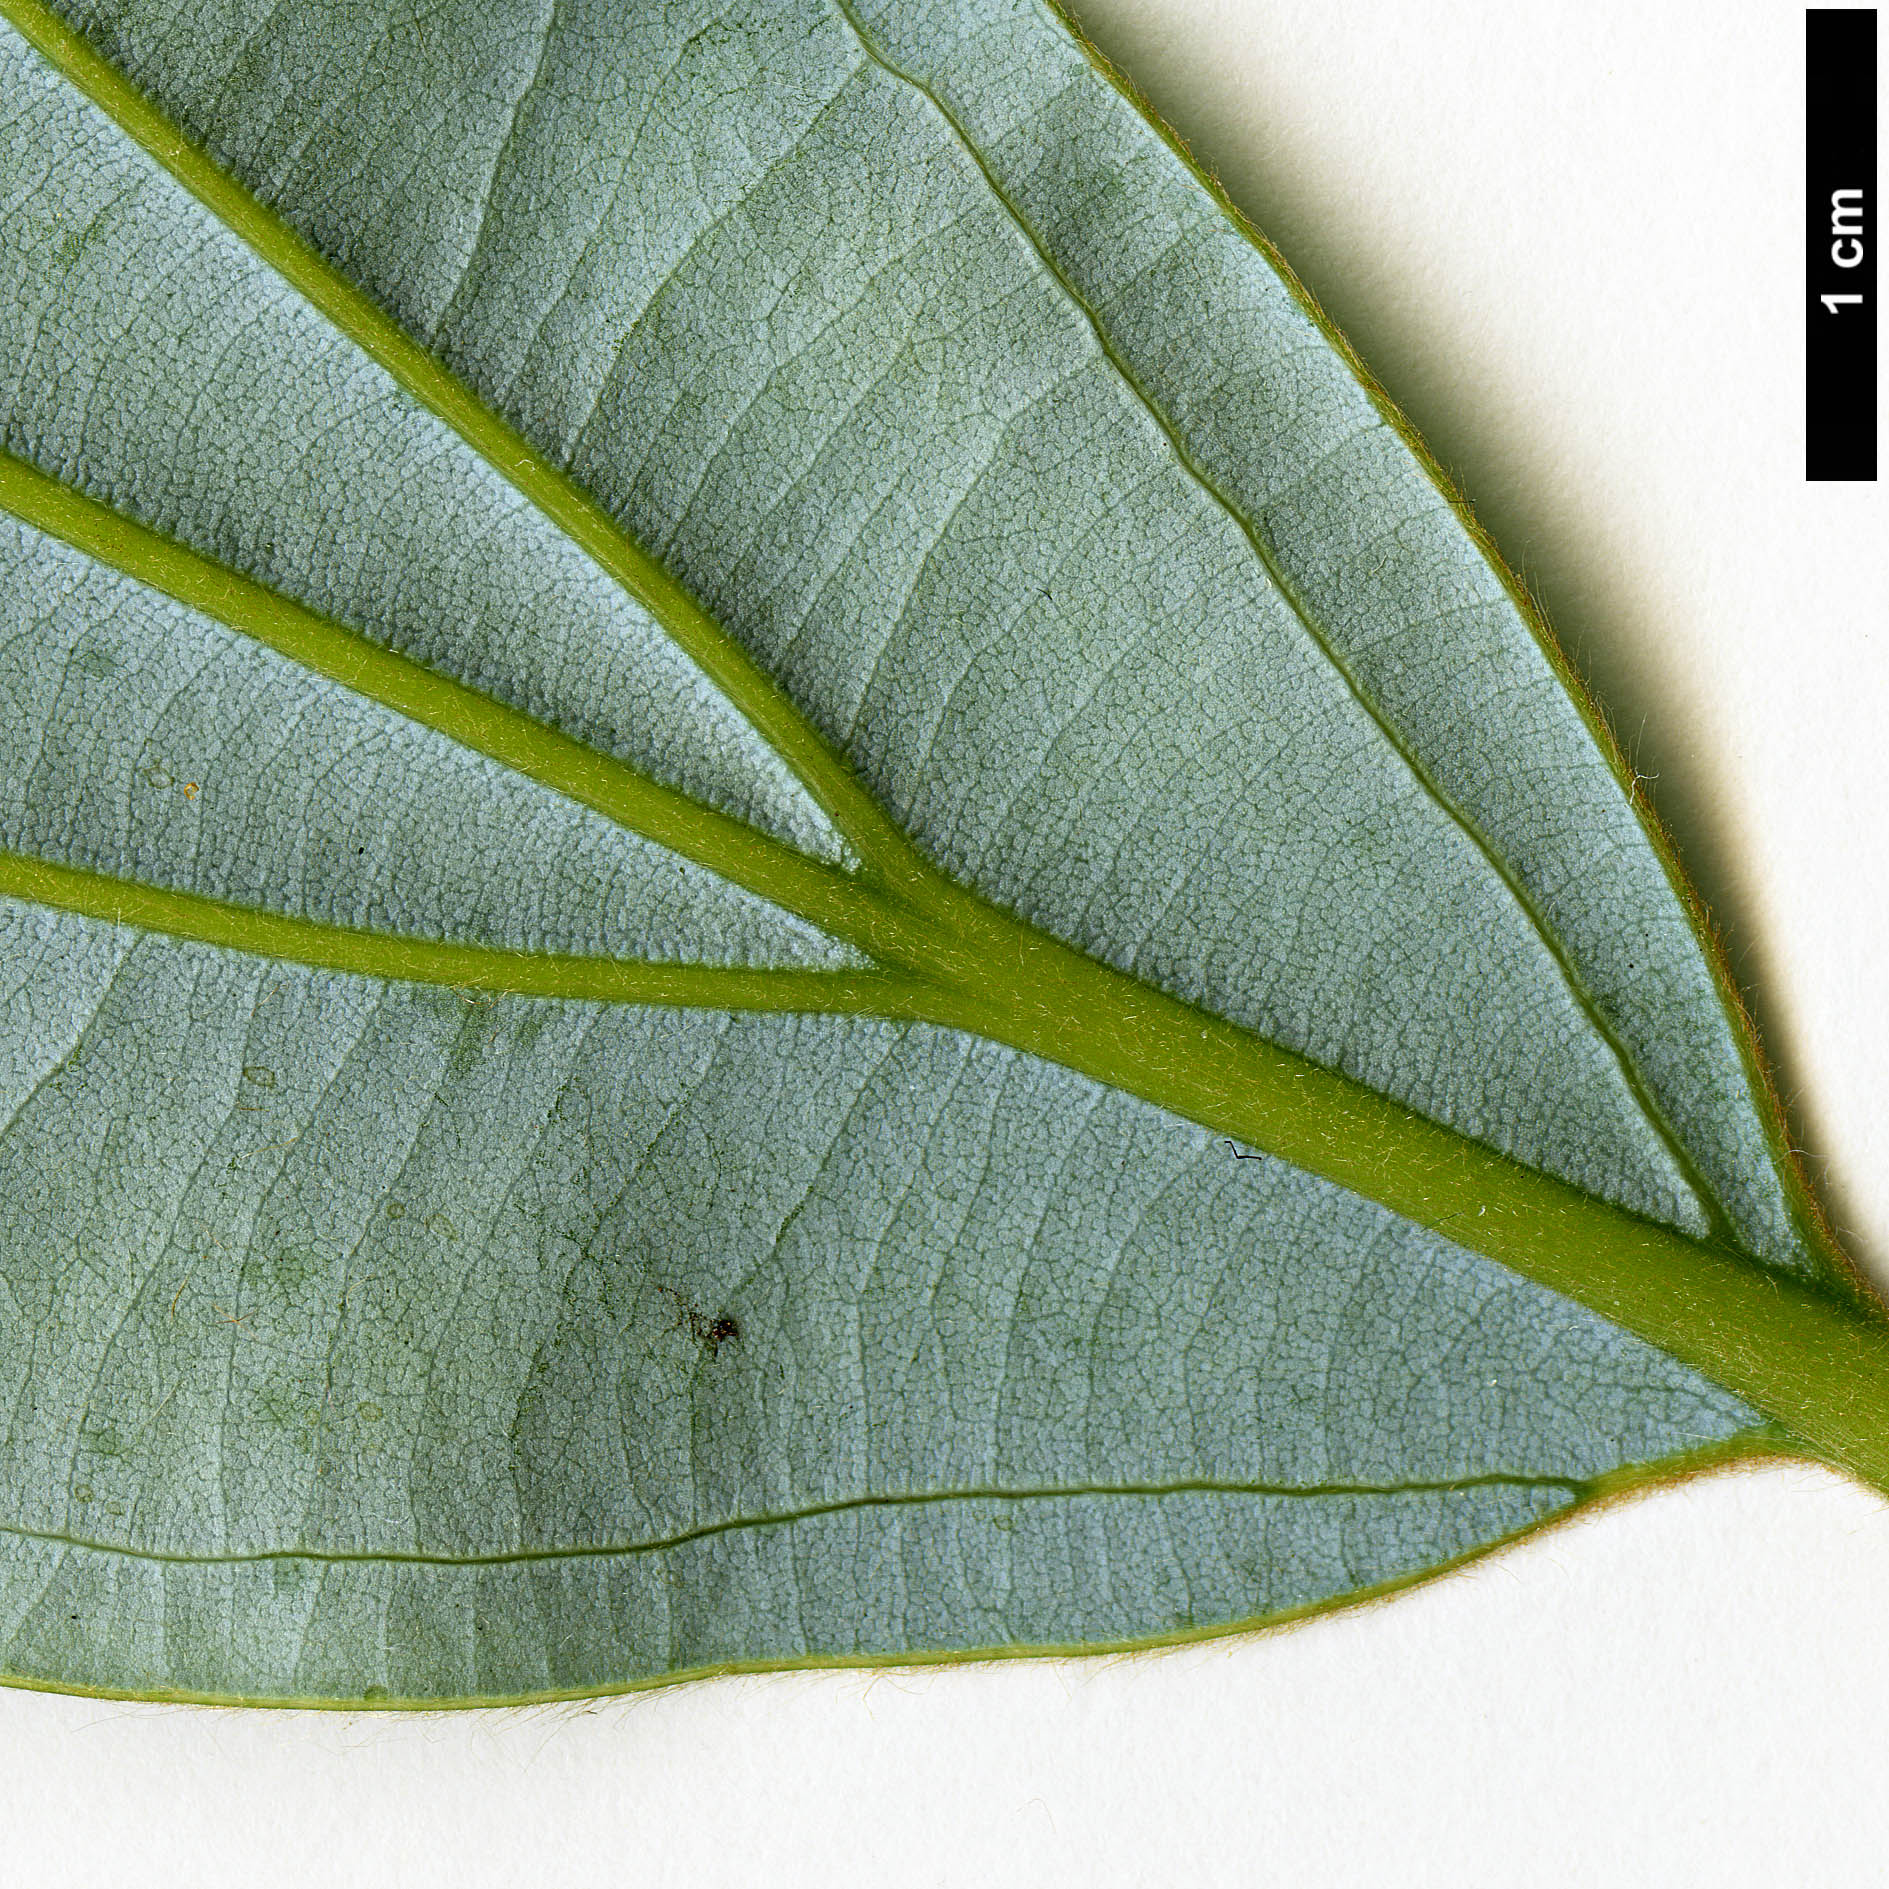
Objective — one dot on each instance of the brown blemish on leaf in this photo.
(712, 1332)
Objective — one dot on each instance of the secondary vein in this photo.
(875, 837)
(887, 850)
(1795, 1351)
(466, 967)
(823, 894)
(1569, 1487)
(1263, 551)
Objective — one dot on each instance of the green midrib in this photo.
(1805, 1354)
(1268, 559)
(882, 845)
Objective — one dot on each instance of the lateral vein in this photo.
(826, 774)
(1570, 1487)
(1647, 1102)
(823, 894)
(464, 967)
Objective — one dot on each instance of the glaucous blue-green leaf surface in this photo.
(693, 699)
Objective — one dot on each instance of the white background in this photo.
(1567, 237)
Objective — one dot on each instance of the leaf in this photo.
(780, 890)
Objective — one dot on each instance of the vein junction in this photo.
(839, 902)
(1647, 1102)
(826, 895)
(934, 944)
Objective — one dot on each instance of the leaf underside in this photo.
(549, 550)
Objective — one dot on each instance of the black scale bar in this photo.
(1840, 239)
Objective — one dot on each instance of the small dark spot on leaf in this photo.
(713, 1332)
(260, 1074)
